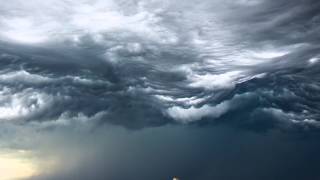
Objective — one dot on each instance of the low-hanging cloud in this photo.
(120, 57)
(140, 89)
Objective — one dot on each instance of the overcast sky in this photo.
(152, 89)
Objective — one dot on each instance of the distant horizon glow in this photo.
(14, 166)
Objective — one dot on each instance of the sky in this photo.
(157, 89)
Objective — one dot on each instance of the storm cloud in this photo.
(248, 66)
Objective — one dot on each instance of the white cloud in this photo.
(42, 21)
(186, 115)
(24, 77)
(24, 105)
(314, 60)
(186, 100)
(215, 81)
(270, 54)
(23, 30)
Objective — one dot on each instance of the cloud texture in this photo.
(86, 65)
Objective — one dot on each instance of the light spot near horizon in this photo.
(14, 166)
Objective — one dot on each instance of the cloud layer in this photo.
(82, 70)
(157, 60)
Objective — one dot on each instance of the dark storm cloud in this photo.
(285, 21)
(195, 70)
(182, 75)
(54, 87)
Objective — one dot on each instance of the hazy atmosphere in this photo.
(157, 89)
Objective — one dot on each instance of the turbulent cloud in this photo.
(81, 66)
(119, 54)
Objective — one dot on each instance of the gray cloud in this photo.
(160, 53)
(73, 70)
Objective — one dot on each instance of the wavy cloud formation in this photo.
(199, 88)
(147, 59)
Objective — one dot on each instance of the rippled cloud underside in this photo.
(152, 89)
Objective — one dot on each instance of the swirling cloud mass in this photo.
(134, 82)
